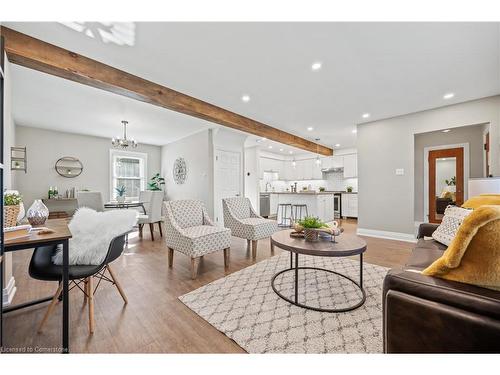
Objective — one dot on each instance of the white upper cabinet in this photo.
(336, 161)
(350, 166)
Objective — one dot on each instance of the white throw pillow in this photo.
(92, 233)
(453, 217)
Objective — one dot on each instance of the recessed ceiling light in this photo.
(270, 146)
(281, 149)
(245, 98)
(448, 95)
(290, 152)
(316, 66)
(310, 128)
(354, 131)
(337, 145)
(365, 115)
(446, 130)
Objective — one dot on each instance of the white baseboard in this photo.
(387, 235)
(8, 292)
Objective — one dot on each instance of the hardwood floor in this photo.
(154, 320)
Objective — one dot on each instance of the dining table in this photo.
(59, 235)
(125, 205)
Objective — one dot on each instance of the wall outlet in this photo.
(400, 172)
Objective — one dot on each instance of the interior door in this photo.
(446, 181)
(228, 179)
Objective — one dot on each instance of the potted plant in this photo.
(311, 227)
(12, 205)
(349, 189)
(120, 194)
(321, 189)
(156, 182)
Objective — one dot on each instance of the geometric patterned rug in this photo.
(244, 307)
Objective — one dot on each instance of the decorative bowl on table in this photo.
(312, 229)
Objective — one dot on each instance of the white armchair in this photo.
(190, 231)
(241, 218)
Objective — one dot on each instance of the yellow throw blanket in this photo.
(473, 256)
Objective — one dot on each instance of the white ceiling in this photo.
(385, 69)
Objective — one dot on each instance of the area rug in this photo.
(244, 307)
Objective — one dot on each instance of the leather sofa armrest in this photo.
(426, 229)
(467, 297)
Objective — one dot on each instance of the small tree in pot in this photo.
(120, 194)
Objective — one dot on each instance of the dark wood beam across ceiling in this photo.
(36, 54)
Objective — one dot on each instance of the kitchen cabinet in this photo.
(267, 165)
(349, 205)
(350, 166)
(318, 205)
(273, 203)
(336, 161)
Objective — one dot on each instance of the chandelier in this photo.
(124, 142)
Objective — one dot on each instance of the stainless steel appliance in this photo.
(337, 205)
(265, 204)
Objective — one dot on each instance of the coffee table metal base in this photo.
(296, 269)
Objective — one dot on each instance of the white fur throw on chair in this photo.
(92, 233)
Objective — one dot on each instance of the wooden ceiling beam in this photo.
(36, 54)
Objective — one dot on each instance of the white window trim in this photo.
(143, 157)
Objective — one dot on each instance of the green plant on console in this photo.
(12, 199)
(156, 182)
(311, 222)
(120, 191)
(452, 181)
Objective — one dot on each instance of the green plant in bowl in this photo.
(311, 222)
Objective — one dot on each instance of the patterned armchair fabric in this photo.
(191, 231)
(241, 218)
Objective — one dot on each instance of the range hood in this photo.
(333, 169)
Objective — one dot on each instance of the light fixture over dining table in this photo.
(124, 142)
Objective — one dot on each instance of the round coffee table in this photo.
(345, 245)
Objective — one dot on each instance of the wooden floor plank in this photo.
(154, 320)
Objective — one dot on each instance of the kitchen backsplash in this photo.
(334, 182)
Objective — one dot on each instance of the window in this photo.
(128, 169)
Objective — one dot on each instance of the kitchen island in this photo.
(319, 204)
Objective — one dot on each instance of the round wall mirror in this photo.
(69, 167)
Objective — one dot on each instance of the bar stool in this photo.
(283, 215)
(297, 211)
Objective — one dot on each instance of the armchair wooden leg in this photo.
(272, 246)
(152, 229)
(140, 230)
(159, 227)
(91, 303)
(51, 307)
(226, 258)
(170, 257)
(118, 286)
(195, 262)
(254, 249)
(248, 244)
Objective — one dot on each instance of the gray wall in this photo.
(386, 200)
(473, 135)
(45, 147)
(196, 150)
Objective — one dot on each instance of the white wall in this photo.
(45, 147)
(386, 200)
(196, 150)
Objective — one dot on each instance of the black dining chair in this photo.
(42, 268)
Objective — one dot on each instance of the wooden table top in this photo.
(61, 232)
(346, 245)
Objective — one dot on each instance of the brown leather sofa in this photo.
(424, 314)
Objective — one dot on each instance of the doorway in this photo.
(228, 179)
(446, 181)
